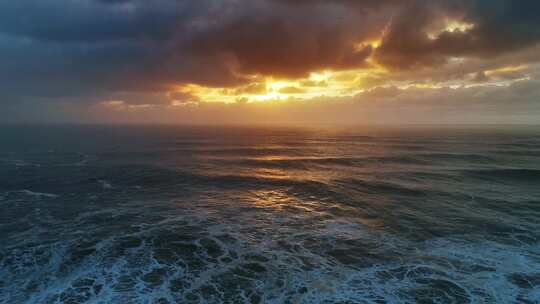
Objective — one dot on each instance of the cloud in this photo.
(291, 90)
(147, 52)
(134, 44)
(489, 29)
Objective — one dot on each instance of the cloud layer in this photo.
(152, 52)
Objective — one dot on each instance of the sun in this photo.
(325, 83)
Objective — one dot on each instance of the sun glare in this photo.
(317, 84)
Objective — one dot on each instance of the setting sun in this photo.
(317, 84)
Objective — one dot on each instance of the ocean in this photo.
(148, 214)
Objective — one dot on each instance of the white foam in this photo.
(472, 271)
(38, 194)
(105, 184)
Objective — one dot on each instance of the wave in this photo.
(105, 184)
(192, 260)
(34, 194)
(300, 161)
(271, 219)
(514, 153)
(516, 174)
(379, 188)
(465, 157)
(306, 162)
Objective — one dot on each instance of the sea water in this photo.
(96, 214)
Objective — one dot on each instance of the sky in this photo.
(270, 61)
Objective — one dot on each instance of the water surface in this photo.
(269, 215)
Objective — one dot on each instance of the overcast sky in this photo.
(270, 61)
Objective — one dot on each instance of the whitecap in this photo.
(38, 194)
(105, 184)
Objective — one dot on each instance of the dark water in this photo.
(215, 215)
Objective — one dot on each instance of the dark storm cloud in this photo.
(55, 46)
(93, 20)
(93, 47)
(287, 42)
(500, 26)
